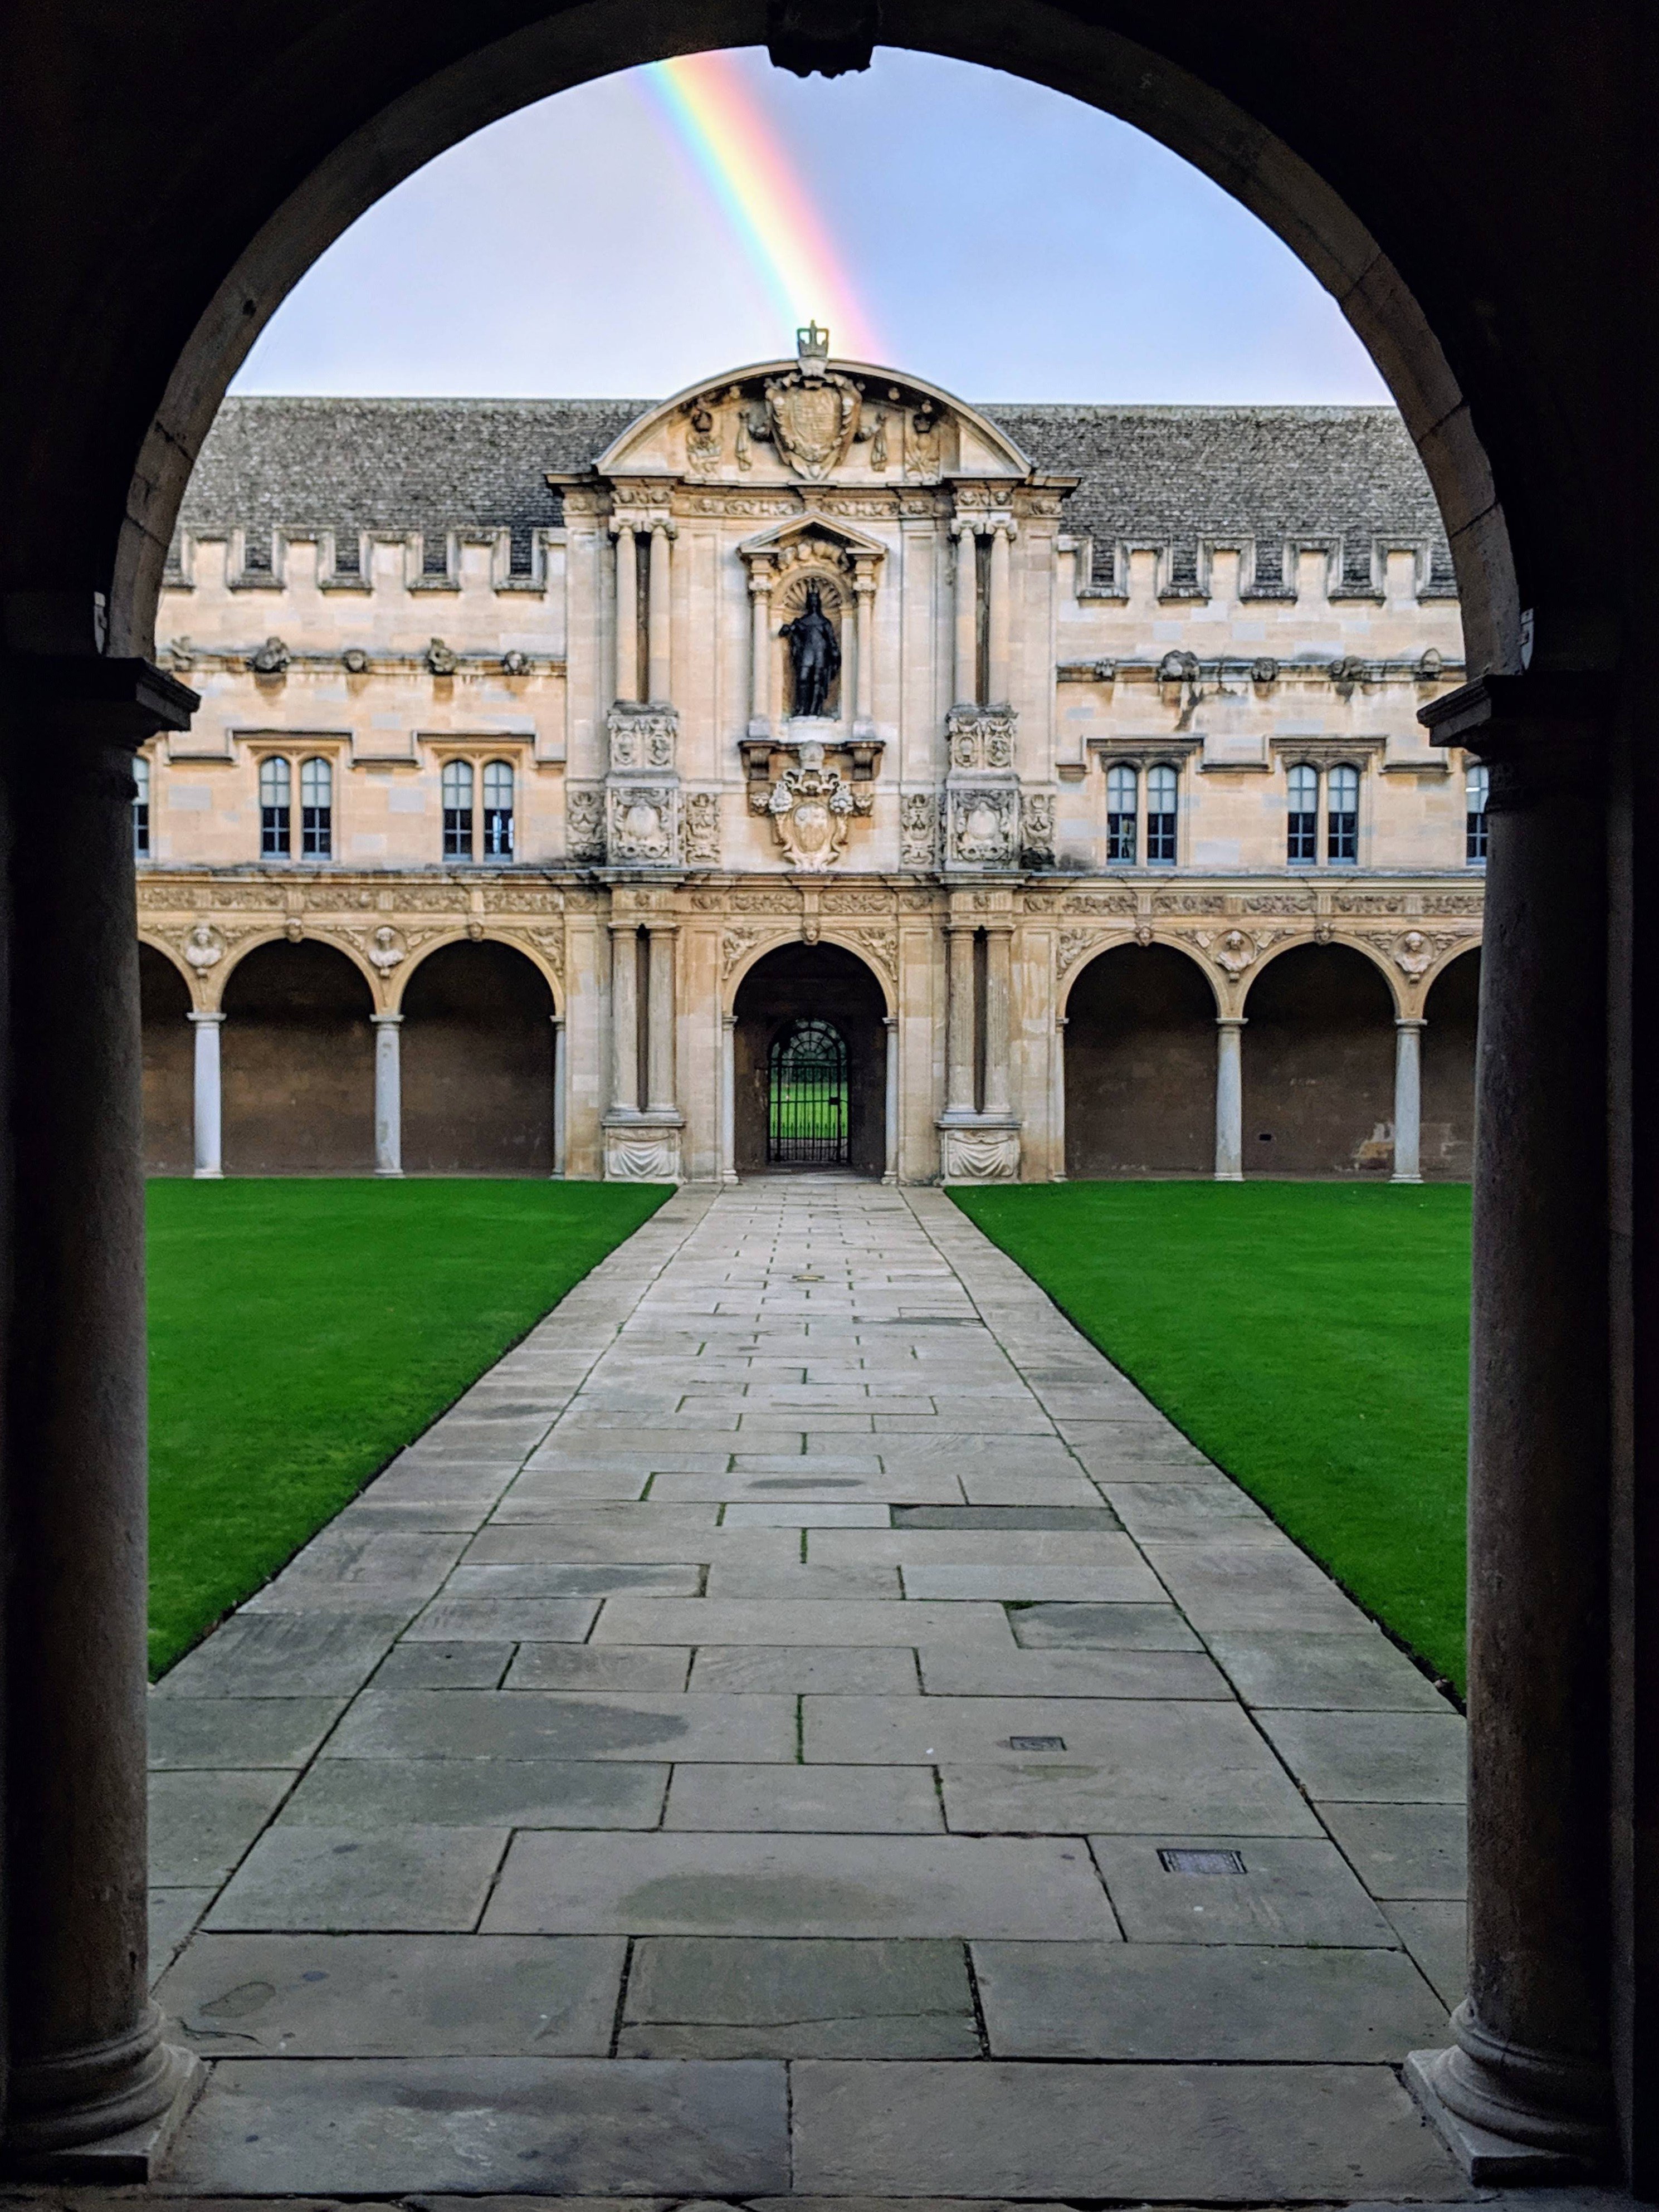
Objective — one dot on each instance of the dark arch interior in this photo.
(812, 982)
(1448, 1071)
(477, 1064)
(169, 1065)
(1318, 1066)
(298, 1059)
(1141, 1065)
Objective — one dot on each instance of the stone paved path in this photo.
(804, 1724)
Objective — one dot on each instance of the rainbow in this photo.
(728, 134)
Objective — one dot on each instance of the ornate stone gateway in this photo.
(807, 1114)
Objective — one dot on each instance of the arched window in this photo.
(141, 806)
(457, 809)
(276, 809)
(806, 1096)
(498, 810)
(1121, 811)
(1161, 816)
(1302, 820)
(1342, 815)
(1477, 788)
(316, 810)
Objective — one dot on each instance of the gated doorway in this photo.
(806, 1105)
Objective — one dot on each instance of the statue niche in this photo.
(814, 658)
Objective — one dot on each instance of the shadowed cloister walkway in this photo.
(805, 1725)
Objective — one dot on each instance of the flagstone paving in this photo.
(804, 1726)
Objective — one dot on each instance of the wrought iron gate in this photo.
(806, 1096)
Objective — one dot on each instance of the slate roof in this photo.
(1170, 474)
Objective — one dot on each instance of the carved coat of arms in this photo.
(813, 413)
(811, 809)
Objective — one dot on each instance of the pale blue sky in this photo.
(1008, 243)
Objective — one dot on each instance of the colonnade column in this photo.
(1408, 1101)
(1531, 2063)
(728, 1098)
(86, 2058)
(760, 649)
(208, 1097)
(388, 1095)
(999, 1040)
(999, 616)
(890, 1166)
(624, 1017)
(864, 687)
(1229, 1098)
(967, 615)
(959, 1029)
(1057, 1101)
(628, 615)
(560, 1094)
(658, 618)
(660, 1020)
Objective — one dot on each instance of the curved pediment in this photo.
(814, 421)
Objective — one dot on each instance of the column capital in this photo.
(211, 1020)
(1231, 1021)
(385, 1021)
(1410, 1022)
(125, 702)
(659, 926)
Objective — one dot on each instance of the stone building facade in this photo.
(1096, 833)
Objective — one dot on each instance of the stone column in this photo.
(966, 612)
(998, 617)
(959, 1033)
(1057, 1102)
(1530, 2064)
(624, 1017)
(864, 708)
(889, 1170)
(659, 1021)
(210, 1144)
(1408, 1101)
(760, 649)
(86, 2059)
(659, 618)
(728, 1098)
(998, 1042)
(388, 1095)
(628, 616)
(561, 1095)
(1229, 1099)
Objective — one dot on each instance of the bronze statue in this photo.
(814, 655)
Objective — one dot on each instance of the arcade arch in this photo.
(164, 1016)
(825, 984)
(477, 1053)
(1449, 1044)
(1140, 1065)
(297, 1062)
(1319, 1065)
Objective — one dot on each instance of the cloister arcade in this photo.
(1478, 197)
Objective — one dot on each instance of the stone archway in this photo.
(477, 1064)
(1140, 1064)
(1449, 1046)
(810, 983)
(164, 1011)
(298, 1063)
(1319, 1060)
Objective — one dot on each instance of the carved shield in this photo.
(812, 419)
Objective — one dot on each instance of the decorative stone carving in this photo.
(1235, 950)
(736, 946)
(271, 658)
(642, 737)
(918, 830)
(811, 809)
(354, 661)
(880, 946)
(1264, 671)
(703, 436)
(1100, 903)
(979, 1154)
(854, 902)
(642, 824)
(814, 655)
(205, 947)
(585, 823)
(982, 828)
(387, 949)
(441, 658)
(702, 825)
(1038, 830)
(641, 1151)
(515, 663)
(812, 411)
(981, 738)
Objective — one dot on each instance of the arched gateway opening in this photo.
(1141, 1065)
(809, 1064)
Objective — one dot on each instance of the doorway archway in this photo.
(810, 1027)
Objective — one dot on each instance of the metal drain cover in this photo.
(1037, 1743)
(1177, 1861)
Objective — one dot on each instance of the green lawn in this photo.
(1311, 1338)
(302, 1332)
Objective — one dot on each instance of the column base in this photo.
(979, 1151)
(1227, 1175)
(122, 2137)
(1399, 1178)
(640, 1150)
(389, 1174)
(208, 1174)
(1519, 2116)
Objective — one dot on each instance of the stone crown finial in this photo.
(812, 343)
